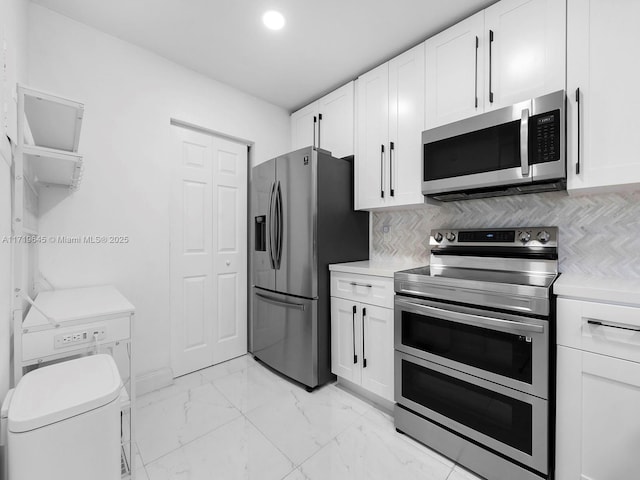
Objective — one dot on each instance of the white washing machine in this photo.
(63, 422)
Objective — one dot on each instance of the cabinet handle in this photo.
(578, 104)
(381, 171)
(315, 120)
(364, 356)
(476, 84)
(391, 148)
(353, 331)
(356, 284)
(490, 66)
(319, 125)
(599, 323)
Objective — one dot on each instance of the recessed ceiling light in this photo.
(273, 20)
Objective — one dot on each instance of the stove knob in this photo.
(451, 236)
(524, 237)
(543, 236)
(437, 237)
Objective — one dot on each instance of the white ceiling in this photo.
(324, 44)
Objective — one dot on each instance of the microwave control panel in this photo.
(544, 137)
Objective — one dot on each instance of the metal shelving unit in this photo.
(46, 156)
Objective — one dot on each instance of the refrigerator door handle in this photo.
(272, 226)
(267, 298)
(280, 224)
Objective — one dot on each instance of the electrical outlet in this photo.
(385, 228)
(79, 337)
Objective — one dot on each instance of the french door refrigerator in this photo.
(302, 220)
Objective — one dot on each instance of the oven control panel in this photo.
(505, 237)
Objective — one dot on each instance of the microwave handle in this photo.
(524, 142)
(578, 125)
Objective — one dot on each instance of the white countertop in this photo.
(372, 267)
(598, 289)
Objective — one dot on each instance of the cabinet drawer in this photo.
(363, 288)
(612, 330)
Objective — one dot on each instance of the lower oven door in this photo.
(509, 422)
(507, 349)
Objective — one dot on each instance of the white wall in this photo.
(13, 67)
(130, 95)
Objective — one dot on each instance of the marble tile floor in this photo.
(239, 420)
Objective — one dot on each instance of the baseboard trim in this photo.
(379, 402)
(154, 380)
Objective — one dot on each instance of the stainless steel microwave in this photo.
(509, 151)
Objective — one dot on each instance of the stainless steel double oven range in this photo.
(474, 367)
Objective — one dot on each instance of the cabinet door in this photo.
(336, 121)
(304, 123)
(455, 72)
(526, 57)
(377, 350)
(346, 327)
(406, 123)
(372, 126)
(597, 431)
(604, 139)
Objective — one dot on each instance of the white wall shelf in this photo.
(48, 138)
(49, 167)
(51, 121)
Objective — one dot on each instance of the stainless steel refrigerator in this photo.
(302, 220)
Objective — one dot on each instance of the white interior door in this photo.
(230, 249)
(208, 250)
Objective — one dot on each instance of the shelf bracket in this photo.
(33, 304)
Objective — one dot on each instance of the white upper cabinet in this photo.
(304, 127)
(327, 123)
(372, 134)
(455, 72)
(512, 51)
(601, 131)
(406, 123)
(389, 121)
(525, 45)
(336, 121)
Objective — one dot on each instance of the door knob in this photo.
(228, 262)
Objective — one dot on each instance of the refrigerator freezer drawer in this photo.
(284, 334)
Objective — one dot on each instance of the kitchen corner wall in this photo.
(13, 68)
(599, 233)
(130, 94)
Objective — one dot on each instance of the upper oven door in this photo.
(515, 145)
(506, 349)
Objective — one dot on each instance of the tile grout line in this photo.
(193, 439)
(273, 444)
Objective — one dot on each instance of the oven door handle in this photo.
(468, 319)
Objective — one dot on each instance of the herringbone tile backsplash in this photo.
(599, 234)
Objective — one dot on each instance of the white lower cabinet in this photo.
(362, 339)
(598, 390)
